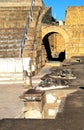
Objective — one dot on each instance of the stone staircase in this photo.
(12, 23)
(14, 16)
(11, 70)
(30, 41)
(11, 78)
(10, 40)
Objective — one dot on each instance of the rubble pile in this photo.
(50, 81)
(57, 77)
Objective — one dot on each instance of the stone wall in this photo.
(75, 47)
(69, 36)
(74, 25)
(57, 43)
(74, 15)
(47, 18)
(11, 70)
(39, 53)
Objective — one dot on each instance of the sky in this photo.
(59, 7)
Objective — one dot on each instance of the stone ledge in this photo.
(16, 4)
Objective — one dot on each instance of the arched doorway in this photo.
(54, 41)
(55, 46)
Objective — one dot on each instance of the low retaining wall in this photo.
(15, 65)
(12, 70)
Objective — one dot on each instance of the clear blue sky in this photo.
(59, 6)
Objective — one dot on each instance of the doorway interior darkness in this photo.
(61, 55)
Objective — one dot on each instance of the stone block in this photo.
(33, 114)
(50, 98)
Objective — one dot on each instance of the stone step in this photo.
(10, 56)
(9, 46)
(10, 79)
(11, 69)
(11, 35)
(9, 50)
(11, 76)
(19, 3)
(12, 82)
(13, 17)
(13, 28)
(10, 40)
(6, 78)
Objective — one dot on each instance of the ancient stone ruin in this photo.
(28, 30)
(29, 38)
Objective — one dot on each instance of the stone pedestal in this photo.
(33, 101)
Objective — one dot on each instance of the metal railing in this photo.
(26, 28)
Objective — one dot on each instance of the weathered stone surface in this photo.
(75, 15)
(50, 98)
(68, 37)
(33, 114)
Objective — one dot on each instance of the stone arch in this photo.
(58, 29)
(48, 30)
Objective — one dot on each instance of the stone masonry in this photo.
(68, 37)
(45, 37)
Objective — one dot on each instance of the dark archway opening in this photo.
(47, 47)
(82, 88)
(59, 57)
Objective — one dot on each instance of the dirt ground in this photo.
(10, 103)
